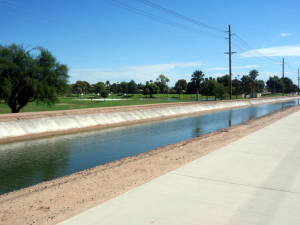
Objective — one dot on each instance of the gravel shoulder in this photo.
(53, 201)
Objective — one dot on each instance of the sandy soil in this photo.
(53, 201)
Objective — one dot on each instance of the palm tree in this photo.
(197, 78)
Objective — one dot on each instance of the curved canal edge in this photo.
(53, 201)
(25, 126)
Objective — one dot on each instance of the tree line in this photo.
(35, 75)
(248, 85)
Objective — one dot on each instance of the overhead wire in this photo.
(250, 48)
(160, 19)
(179, 15)
(258, 53)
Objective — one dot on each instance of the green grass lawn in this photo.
(75, 102)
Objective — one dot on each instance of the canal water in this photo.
(23, 164)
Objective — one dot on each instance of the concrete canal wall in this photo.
(33, 125)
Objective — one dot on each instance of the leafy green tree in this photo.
(246, 84)
(197, 78)
(274, 84)
(140, 88)
(253, 74)
(220, 91)
(208, 86)
(132, 87)
(115, 88)
(146, 91)
(259, 86)
(151, 89)
(124, 87)
(81, 87)
(191, 88)
(98, 87)
(225, 80)
(289, 86)
(180, 86)
(30, 75)
(104, 93)
(237, 87)
(251, 85)
(162, 83)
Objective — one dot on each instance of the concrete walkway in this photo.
(253, 181)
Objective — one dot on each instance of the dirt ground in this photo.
(53, 201)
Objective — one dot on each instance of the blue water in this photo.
(26, 163)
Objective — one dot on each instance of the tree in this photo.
(104, 93)
(208, 86)
(259, 86)
(225, 80)
(197, 78)
(220, 91)
(250, 85)
(237, 87)
(81, 87)
(180, 86)
(289, 86)
(151, 89)
(124, 87)
(146, 91)
(191, 88)
(98, 87)
(30, 75)
(162, 83)
(274, 84)
(132, 87)
(140, 88)
(115, 88)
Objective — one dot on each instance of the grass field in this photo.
(87, 101)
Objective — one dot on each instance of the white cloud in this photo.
(234, 67)
(286, 34)
(163, 67)
(286, 50)
(140, 73)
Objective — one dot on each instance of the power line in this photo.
(249, 47)
(179, 15)
(160, 19)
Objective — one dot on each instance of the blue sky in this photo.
(99, 40)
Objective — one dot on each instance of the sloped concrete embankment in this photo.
(33, 125)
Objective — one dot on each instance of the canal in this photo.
(23, 164)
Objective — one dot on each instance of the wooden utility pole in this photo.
(229, 58)
(283, 68)
(298, 79)
(282, 76)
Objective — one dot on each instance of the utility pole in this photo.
(229, 57)
(283, 68)
(298, 79)
(282, 76)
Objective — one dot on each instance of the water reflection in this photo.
(230, 118)
(30, 163)
(26, 163)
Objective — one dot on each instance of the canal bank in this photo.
(253, 181)
(53, 201)
(25, 126)
(26, 163)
